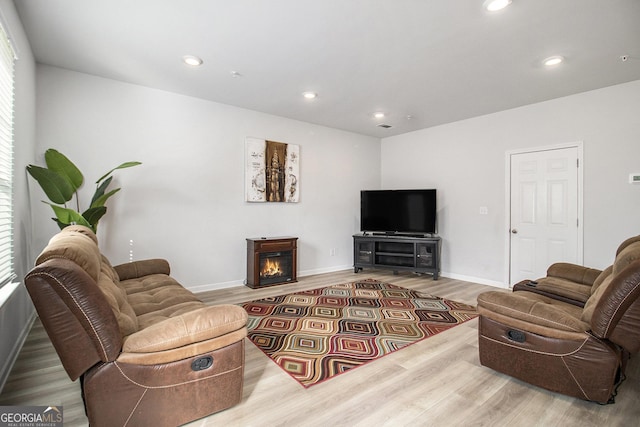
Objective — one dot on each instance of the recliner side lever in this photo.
(517, 336)
(202, 363)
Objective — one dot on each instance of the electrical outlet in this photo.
(484, 210)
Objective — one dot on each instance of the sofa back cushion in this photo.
(117, 299)
(626, 256)
(77, 244)
(614, 303)
(601, 278)
(626, 243)
(621, 262)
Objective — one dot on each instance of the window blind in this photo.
(7, 59)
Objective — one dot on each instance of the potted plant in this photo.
(60, 181)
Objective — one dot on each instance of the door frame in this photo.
(507, 198)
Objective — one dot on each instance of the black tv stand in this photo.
(397, 252)
(394, 234)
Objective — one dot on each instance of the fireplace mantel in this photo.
(271, 261)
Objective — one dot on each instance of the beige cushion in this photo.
(155, 293)
(192, 326)
(117, 298)
(591, 303)
(565, 288)
(185, 352)
(75, 246)
(533, 309)
(601, 278)
(81, 229)
(626, 256)
(108, 269)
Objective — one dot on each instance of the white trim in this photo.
(7, 167)
(579, 145)
(481, 281)
(215, 286)
(325, 270)
(6, 291)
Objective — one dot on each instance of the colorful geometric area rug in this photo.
(317, 334)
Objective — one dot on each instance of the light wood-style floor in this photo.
(436, 382)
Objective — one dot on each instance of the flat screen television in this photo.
(408, 212)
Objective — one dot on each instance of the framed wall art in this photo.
(272, 171)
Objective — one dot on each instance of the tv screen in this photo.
(398, 211)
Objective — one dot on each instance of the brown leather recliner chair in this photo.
(570, 282)
(561, 346)
(147, 351)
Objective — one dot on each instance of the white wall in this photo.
(465, 161)
(186, 202)
(17, 311)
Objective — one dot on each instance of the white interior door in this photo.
(545, 211)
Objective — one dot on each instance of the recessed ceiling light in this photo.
(378, 115)
(310, 95)
(553, 60)
(191, 60)
(495, 5)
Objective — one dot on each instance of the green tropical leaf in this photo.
(93, 215)
(54, 185)
(60, 181)
(100, 191)
(69, 216)
(100, 201)
(58, 162)
(122, 166)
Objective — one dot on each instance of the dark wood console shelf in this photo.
(397, 253)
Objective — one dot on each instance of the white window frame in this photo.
(7, 63)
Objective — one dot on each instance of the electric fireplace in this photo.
(271, 261)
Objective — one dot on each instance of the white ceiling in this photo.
(437, 61)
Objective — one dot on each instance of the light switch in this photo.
(634, 178)
(484, 210)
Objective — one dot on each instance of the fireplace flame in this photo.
(271, 268)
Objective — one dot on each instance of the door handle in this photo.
(514, 231)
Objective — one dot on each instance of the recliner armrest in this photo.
(573, 272)
(135, 269)
(531, 309)
(188, 328)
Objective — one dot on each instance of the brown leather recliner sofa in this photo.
(548, 338)
(570, 282)
(147, 350)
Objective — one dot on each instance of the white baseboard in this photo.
(234, 283)
(215, 286)
(325, 270)
(478, 280)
